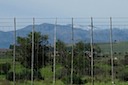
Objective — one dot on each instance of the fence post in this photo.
(92, 59)
(72, 57)
(111, 48)
(14, 51)
(32, 57)
(54, 60)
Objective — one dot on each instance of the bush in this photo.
(4, 68)
(126, 60)
(24, 75)
(9, 76)
(60, 72)
(123, 75)
(37, 75)
(18, 76)
(46, 72)
(76, 80)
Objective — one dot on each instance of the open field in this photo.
(119, 47)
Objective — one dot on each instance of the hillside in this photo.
(64, 33)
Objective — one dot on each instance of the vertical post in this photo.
(54, 60)
(72, 54)
(111, 48)
(32, 57)
(14, 51)
(92, 61)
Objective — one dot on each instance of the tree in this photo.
(81, 61)
(24, 49)
(61, 50)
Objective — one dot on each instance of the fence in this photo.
(62, 51)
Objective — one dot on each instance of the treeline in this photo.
(43, 58)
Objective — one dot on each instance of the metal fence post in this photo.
(14, 52)
(32, 57)
(72, 53)
(111, 48)
(92, 59)
(54, 60)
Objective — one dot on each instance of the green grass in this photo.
(108, 83)
(58, 82)
(117, 47)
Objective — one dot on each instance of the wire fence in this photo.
(63, 51)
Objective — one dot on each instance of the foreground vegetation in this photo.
(58, 82)
(43, 63)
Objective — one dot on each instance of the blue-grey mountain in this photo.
(64, 33)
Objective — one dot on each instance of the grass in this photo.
(117, 47)
(108, 83)
(58, 82)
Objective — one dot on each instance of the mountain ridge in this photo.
(64, 34)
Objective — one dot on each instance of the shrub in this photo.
(126, 60)
(4, 68)
(46, 72)
(37, 75)
(24, 75)
(76, 80)
(123, 74)
(9, 76)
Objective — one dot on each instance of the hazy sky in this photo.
(63, 8)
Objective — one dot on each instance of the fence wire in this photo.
(63, 51)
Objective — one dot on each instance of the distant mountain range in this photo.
(64, 34)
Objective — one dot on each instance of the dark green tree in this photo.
(81, 60)
(41, 48)
(61, 52)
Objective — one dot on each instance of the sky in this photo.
(59, 9)
(63, 8)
